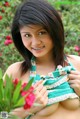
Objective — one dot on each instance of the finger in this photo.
(75, 72)
(44, 91)
(39, 87)
(42, 99)
(41, 94)
(46, 95)
(73, 76)
(75, 86)
(38, 96)
(77, 81)
(37, 83)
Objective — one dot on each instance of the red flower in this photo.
(8, 37)
(6, 4)
(7, 42)
(26, 106)
(23, 86)
(1, 17)
(2, 10)
(15, 81)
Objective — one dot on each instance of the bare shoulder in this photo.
(74, 57)
(14, 70)
(75, 60)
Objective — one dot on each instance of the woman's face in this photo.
(37, 40)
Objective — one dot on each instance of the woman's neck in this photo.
(45, 60)
(44, 65)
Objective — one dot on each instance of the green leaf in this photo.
(1, 90)
(20, 102)
(29, 84)
(4, 105)
(8, 86)
(16, 93)
(8, 89)
(0, 73)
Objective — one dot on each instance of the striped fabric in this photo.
(56, 82)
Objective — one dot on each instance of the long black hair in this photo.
(38, 12)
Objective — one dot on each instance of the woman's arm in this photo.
(74, 76)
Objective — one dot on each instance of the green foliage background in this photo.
(70, 15)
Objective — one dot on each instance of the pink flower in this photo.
(24, 85)
(7, 42)
(76, 48)
(31, 89)
(29, 96)
(23, 93)
(29, 100)
(1, 17)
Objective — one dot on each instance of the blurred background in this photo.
(69, 11)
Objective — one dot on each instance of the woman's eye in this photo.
(27, 35)
(42, 32)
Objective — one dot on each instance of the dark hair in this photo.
(38, 12)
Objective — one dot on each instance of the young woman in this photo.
(38, 35)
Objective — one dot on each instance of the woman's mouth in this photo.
(37, 49)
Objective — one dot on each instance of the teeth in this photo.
(38, 48)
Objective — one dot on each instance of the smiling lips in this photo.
(37, 49)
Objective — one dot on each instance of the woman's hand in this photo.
(41, 93)
(74, 81)
(40, 98)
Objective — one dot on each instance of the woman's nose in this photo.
(36, 41)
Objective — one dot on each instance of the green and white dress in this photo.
(56, 82)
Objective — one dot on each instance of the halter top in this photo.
(56, 82)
